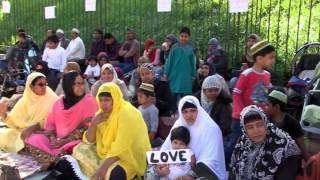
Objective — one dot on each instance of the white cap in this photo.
(60, 31)
(75, 30)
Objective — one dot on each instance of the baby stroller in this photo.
(303, 71)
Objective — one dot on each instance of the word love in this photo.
(169, 157)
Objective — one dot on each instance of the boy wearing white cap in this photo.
(75, 49)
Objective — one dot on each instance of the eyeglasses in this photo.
(78, 83)
(42, 84)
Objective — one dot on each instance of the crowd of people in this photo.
(82, 117)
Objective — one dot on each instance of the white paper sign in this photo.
(6, 7)
(164, 5)
(236, 6)
(90, 5)
(49, 12)
(169, 157)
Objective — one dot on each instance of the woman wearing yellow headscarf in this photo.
(28, 114)
(116, 142)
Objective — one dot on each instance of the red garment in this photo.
(248, 83)
(151, 52)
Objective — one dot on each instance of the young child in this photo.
(135, 78)
(180, 68)
(92, 72)
(180, 138)
(251, 88)
(150, 113)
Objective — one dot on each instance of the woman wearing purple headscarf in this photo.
(217, 57)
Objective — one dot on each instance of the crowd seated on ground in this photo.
(86, 120)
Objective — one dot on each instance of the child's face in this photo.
(270, 109)
(142, 98)
(204, 70)
(146, 76)
(184, 38)
(107, 75)
(267, 61)
(177, 144)
(52, 45)
(106, 104)
(92, 63)
(212, 93)
(251, 42)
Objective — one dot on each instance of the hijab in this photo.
(68, 83)
(31, 108)
(277, 147)
(206, 138)
(213, 81)
(110, 67)
(151, 53)
(214, 47)
(172, 38)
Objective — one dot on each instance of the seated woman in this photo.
(216, 100)
(263, 151)
(115, 144)
(109, 74)
(72, 66)
(28, 115)
(218, 57)
(66, 121)
(205, 141)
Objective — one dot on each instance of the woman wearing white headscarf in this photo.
(109, 74)
(206, 139)
(216, 100)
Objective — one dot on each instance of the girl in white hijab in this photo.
(206, 140)
(109, 74)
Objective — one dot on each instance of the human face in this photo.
(190, 115)
(106, 104)
(146, 76)
(60, 35)
(103, 61)
(40, 87)
(270, 109)
(78, 86)
(251, 42)
(212, 93)
(184, 38)
(204, 70)
(177, 144)
(142, 98)
(21, 39)
(107, 75)
(130, 35)
(73, 35)
(52, 45)
(92, 63)
(49, 33)
(267, 61)
(96, 35)
(256, 131)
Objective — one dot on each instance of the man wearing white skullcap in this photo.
(75, 49)
(63, 42)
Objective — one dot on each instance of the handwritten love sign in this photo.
(169, 157)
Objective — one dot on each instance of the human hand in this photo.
(162, 170)
(100, 173)
(3, 107)
(26, 133)
(57, 143)
(97, 119)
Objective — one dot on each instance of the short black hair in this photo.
(185, 30)
(99, 31)
(104, 94)
(147, 93)
(53, 39)
(19, 30)
(180, 133)
(22, 35)
(108, 36)
(268, 49)
(93, 58)
(275, 102)
(52, 31)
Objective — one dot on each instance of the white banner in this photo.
(164, 5)
(49, 12)
(169, 157)
(6, 7)
(90, 5)
(236, 6)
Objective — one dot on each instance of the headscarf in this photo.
(172, 38)
(70, 98)
(214, 48)
(214, 81)
(277, 147)
(123, 134)
(151, 53)
(114, 72)
(31, 108)
(206, 138)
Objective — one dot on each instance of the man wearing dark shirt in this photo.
(112, 47)
(98, 43)
(276, 106)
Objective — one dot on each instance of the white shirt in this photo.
(56, 58)
(76, 49)
(93, 70)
